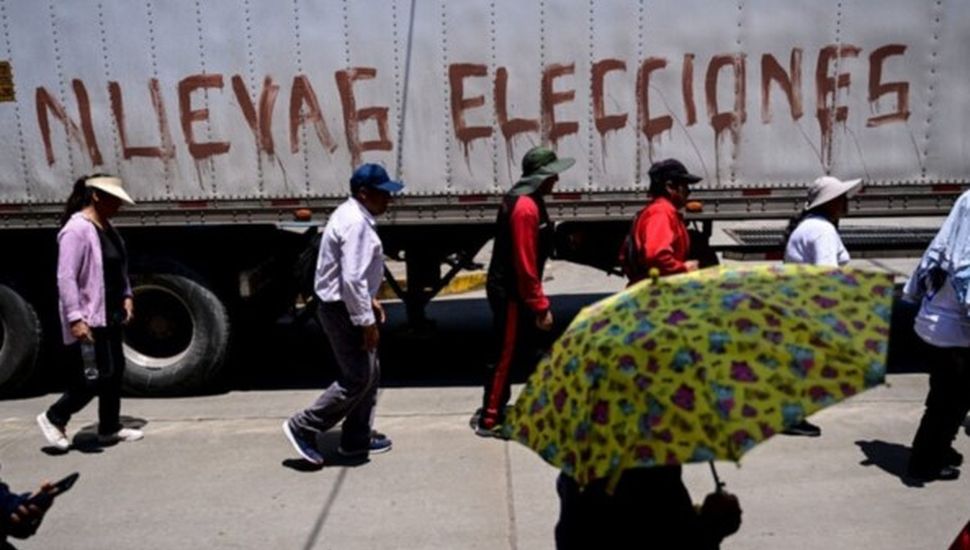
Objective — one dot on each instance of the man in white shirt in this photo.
(349, 272)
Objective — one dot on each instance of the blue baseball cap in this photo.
(373, 176)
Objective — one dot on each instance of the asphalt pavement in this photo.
(216, 472)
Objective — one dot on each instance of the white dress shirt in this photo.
(351, 262)
(816, 242)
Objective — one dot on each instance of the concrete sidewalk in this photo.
(216, 472)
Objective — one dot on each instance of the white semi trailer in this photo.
(235, 122)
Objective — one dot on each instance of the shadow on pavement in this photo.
(86, 441)
(301, 465)
(892, 458)
(50, 450)
(314, 535)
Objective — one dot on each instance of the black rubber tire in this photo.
(20, 336)
(179, 339)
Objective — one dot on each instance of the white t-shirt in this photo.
(816, 241)
(942, 321)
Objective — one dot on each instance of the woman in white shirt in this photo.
(941, 283)
(813, 238)
(943, 323)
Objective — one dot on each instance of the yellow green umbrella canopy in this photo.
(702, 366)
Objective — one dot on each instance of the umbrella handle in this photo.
(718, 484)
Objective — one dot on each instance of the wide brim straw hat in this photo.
(828, 188)
(110, 185)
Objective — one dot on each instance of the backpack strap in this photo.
(628, 252)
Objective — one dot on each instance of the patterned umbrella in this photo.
(702, 366)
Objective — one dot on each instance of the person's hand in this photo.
(25, 520)
(379, 312)
(691, 265)
(371, 337)
(544, 320)
(129, 305)
(81, 331)
(721, 513)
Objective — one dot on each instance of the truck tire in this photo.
(179, 338)
(20, 335)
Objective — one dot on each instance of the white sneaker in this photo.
(124, 434)
(54, 435)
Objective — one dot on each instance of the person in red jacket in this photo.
(520, 307)
(659, 234)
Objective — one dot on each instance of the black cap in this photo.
(671, 170)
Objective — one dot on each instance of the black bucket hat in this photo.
(538, 164)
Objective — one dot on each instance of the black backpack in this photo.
(629, 263)
(305, 265)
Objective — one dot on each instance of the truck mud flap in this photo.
(179, 338)
(20, 336)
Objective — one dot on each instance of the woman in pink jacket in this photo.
(95, 302)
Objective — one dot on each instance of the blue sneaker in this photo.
(302, 446)
(379, 443)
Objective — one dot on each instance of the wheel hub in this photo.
(162, 329)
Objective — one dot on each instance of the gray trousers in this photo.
(352, 397)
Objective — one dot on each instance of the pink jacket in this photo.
(80, 276)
